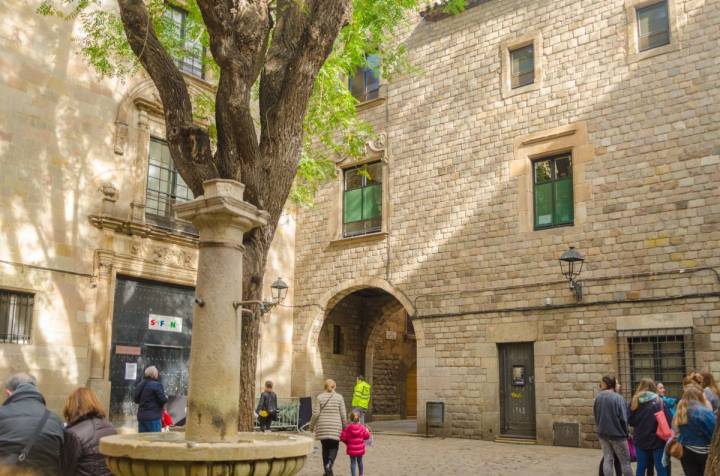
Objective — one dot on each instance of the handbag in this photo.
(675, 449)
(13, 459)
(663, 431)
(631, 450)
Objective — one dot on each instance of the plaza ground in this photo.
(395, 455)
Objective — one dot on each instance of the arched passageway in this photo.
(368, 332)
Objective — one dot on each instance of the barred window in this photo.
(15, 316)
(664, 355)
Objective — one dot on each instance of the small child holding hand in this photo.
(354, 436)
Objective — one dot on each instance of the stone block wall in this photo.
(643, 131)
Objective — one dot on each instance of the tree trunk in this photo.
(712, 468)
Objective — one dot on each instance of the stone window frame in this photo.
(633, 49)
(375, 151)
(509, 45)
(572, 138)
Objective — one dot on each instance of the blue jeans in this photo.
(645, 456)
(149, 426)
(356, 460)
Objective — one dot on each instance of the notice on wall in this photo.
(130, 371)
(390, 335)
(157, 322)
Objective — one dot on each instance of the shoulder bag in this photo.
(663, 431)
(22, 456)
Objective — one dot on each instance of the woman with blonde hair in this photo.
(86, 424)
(328, 420)
(695, 424)
(643, 407)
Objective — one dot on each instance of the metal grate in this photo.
(664, 355)
(15, 317)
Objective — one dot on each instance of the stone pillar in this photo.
(221, 217)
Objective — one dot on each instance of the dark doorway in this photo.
(517, 390)
(152, 325)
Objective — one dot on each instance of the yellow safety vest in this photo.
(361, 395)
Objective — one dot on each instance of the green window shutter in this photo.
(563, 201)
(544, 205)
(372, 202)
(352, 206)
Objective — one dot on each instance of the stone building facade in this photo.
(88, 255)
(620, 98)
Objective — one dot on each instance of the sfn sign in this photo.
(164, 323)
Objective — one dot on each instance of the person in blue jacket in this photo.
(694, 424)
(669, 402)
(643, 407)
(150, 396)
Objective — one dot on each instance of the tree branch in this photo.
(189, 143)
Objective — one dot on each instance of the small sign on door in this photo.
(130, 371)
(518, 375)
(157, 322)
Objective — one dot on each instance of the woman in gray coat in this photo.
(330, 418)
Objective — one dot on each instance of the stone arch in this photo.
(334, 295)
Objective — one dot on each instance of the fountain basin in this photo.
(169, 454)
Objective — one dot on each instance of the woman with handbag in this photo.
(650, 420)
(328, 420)
(695, 425)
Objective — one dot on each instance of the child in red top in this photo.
(354, 436)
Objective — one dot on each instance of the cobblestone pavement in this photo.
(407, 455)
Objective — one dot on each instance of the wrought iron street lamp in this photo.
(279, 291)
(571, 263)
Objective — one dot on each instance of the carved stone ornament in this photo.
(110, 193)
(374, 150)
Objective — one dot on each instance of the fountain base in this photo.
(169, 454)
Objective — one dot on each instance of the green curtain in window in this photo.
(353, 206)
(563, 201)
(372, 202)
(543, 204)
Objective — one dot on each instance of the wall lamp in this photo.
(279, 291)
(571, 263)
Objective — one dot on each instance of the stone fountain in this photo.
(211, 445)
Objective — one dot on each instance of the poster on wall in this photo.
(130, 371)
(157, 322)
(518, 375)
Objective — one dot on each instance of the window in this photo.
(522, 66)
(362, 200)
(409, 327)
(164, 185)
(653, 26)
(365, 84)
(337, 340)
(15, 316)
(664, 355)
(191, 58)
(553, 191)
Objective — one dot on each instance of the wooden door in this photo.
(517, 390)
(411, 392)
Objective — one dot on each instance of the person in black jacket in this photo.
(151, 397)
(20, 417)
(645, 404)
(267, 407)
(86, 424)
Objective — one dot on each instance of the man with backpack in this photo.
(31, 436)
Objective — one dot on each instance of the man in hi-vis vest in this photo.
(361, 397)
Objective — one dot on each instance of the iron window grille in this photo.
(165, 187)
(364, 85)
(664, 355)
(522, 66)
(16, 311)
(362, 200)
(653, 26)
(553, 191)
(190, 59)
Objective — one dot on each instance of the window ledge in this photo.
(370, 104)
(359, 239)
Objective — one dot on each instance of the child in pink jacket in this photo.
(354, 436)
